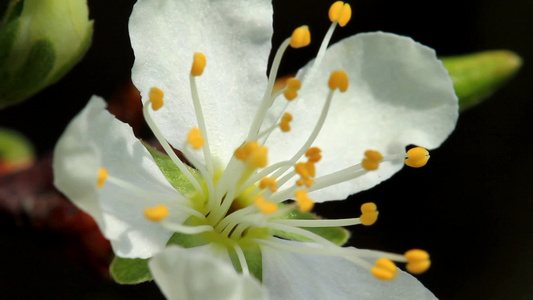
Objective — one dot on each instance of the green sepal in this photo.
(476, 76)
(130, 270)
(173, 174)
(336, 235)
(254, 260)
(252, 252)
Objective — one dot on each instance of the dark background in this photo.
(469, 207)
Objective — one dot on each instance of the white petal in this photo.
(235, 37)
(96, 139)
(297, 276)
(193, 274)
(399, 94)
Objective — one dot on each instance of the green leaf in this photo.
(130, 270)
(336, 235)
(476, 76)
(173, 174)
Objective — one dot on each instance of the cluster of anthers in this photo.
(241, 205)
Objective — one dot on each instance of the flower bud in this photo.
(40, 41)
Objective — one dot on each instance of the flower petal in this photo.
(96, 139)
(235, 37)
(298, 276)
(399, 94)
(195, 274)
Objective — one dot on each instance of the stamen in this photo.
(370, 214)
(244, 151)
(268, 182)
(199, 62)
(417, 157)
(338, 80)
(156, 97)
(319, 223)
(305, 204)
(285, 120)
(170, 152)
(293, 86)
(316, 130)
(259, 157)
(156, 213)
(340, 12)
(371, 160)
(242, 260)
(102, 176)
(417, 261)
(198, 65)
(186, 229)
(313, 154)
(300, 37)
(306, 171)
(195, 139)
(264, 206)
(385, 269)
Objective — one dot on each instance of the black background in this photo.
(469, 207)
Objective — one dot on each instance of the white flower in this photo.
(249, 155)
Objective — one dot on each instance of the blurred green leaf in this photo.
(16, 151)
(476, 76)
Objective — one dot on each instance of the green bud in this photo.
(476, 76)
(40, 41)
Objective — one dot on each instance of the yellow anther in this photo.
(198, 64)
(338, 80)
(290, 94)
(259, 157)
(156, 97)
(385, 269)
(244, 151)
(305, 204)
(267, 182)
(313, 154)
(285, 120)
(305, 169)
(305, 181)
(369, 207)
(102, 176)
(300, 37)
(371, 160)
(195, 138)
(265, 206)
(294, 84)
(417, 157)
(340, 12)
(156, 213)
(417, 261)
(369, 214)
